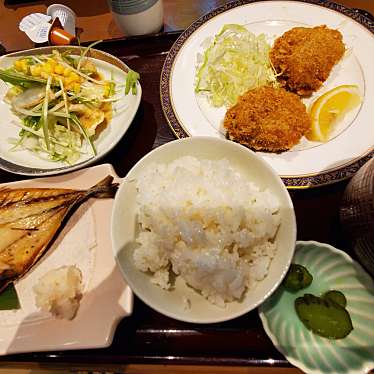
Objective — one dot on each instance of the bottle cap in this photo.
(58, 36)
(66, 16)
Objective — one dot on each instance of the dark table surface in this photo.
(147, 336)
(95, 22)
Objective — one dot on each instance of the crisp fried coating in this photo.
(267, 119)
(305, 56)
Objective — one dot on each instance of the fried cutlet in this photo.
(305, 56)
(267, 119)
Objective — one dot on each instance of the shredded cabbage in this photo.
(235, 62)
(64, 145)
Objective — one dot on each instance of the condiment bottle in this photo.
(137, 17)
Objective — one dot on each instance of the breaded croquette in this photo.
(267, 119)
(304, 57)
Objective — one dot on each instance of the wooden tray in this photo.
(148, 337)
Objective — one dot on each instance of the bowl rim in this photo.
(293, 230)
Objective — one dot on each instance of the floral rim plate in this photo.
(332, 269)
(25, 162)
(84, 242)
(308, 164)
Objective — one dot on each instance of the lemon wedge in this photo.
(329, 108)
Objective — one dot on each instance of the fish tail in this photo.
(104, 189)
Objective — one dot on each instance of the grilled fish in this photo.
(30, 219)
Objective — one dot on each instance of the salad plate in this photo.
(84, 242)
(309, 163)
(332, 269)
(24, 160)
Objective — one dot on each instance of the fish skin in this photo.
(23, 252)
(9, 232)
(30, 220)
(8, 195)
(25, 208)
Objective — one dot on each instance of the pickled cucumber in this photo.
(336, 296)
(323, 316)
(297, 278)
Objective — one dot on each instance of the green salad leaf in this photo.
(132, 78)
(9, 299)
(32, 122)
(17, 79)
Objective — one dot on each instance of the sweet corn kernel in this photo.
(76, 87)
(35, 70)
(74, 76)
(70, 79)
(18, 65)
(59, 69)
(25, 67)
(67, 72)
(51, 62)
(107, 89)
(44, 74)
(21, 65)
(48, 68)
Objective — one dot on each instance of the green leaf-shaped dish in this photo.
(332, 269)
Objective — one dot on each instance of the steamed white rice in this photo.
(206, 223)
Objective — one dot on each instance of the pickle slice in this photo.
(323, 316)
(297, 278)
(336, 296)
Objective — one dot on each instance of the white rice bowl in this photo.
(203, 230)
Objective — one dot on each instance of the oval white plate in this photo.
(308, 163)
(170, 302)
(25, 162)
